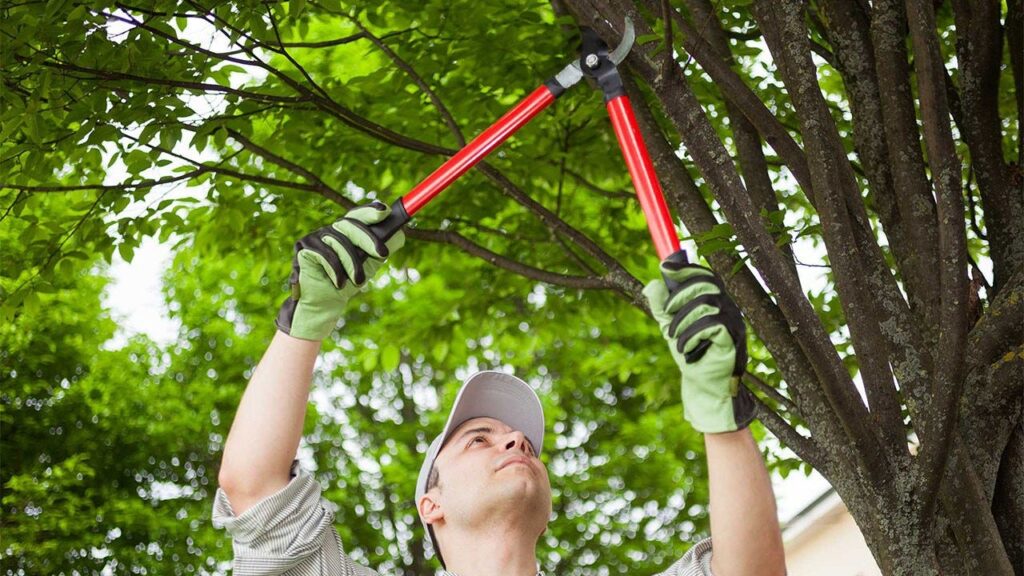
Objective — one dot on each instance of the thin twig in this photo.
(107, 187)
(973, 211)
(525, 270)
(770, 391)
(57, 250)
(446, 115)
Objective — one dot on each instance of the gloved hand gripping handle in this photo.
(676, 261)
(385, 229)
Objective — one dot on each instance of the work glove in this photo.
(708, 341)
(329, 266)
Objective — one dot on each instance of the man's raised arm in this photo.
(268, 425)
(744, 520)
(707, 339)
(326, 272)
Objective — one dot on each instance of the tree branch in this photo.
(979, 56)
(325, 190)
(322, 99)
(611, 194)
(783, 26)
(55, 251)
(752, 163)
(527, 271)
(100, 74)
(770, 391)
(625, 282)
(739, 94)
(708, 152)
(805, 447)
(1000, 328)
(123, 187)
(938, 431)
(913, 198)
(446, 115)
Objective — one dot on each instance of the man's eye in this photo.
(473, 441)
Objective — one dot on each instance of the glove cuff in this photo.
(721, 414)
(307, 330)
(743, 407)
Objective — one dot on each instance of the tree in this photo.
(773, 126)
(105, 460)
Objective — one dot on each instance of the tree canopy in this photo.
(851, 170)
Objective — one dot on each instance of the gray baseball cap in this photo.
(488, 394)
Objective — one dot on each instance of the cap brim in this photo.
(502, 397)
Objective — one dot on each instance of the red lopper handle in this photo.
(648, 190)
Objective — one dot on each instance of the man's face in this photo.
(490, 472)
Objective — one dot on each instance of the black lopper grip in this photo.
(384, 230)
(675, 261)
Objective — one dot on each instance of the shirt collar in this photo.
(446, 573)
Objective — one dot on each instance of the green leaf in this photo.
(126, 251)
(389, 357)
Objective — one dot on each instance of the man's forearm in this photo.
(268, 425)
(744, 520)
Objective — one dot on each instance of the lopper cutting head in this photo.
(590, 59)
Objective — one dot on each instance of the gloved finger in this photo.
(673, 271)
(346, 253)
(700, 307)
(360, 234)
(684, 279)
(714, 332)
(690, 289)
(313, 261)
(372, 265)
(371, 213)
(657, 294)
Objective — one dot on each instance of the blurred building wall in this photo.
(823, 540)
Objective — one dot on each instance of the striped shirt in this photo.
(291, 533)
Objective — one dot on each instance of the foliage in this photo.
(233, 129)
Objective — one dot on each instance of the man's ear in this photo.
(430, 508)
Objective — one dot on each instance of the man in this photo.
(483, 494)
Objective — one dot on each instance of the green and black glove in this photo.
(707, 337)
(329, 267)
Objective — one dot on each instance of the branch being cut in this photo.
(628, 284)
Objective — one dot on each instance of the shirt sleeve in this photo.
(696, 561)
(288, 533)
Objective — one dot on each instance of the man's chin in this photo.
(523, 488)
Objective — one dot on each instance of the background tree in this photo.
(775, 126)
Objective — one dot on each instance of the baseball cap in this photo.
(488, 394)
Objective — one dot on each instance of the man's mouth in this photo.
(514, 460)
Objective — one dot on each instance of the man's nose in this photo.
(517, 440)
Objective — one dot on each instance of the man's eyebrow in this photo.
(484, 429)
